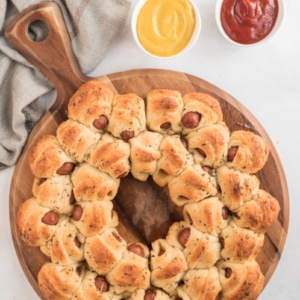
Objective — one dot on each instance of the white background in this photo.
(266, 79)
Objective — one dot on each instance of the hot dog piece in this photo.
(184, 236)
(50, 218)
(231, 153)
(65, 169)
(228, 272)
(77, 242)
(137, 249)
(207, 169)
(184, 143)
(201, 152)
(225, 212)
(165, 125)
(77, 213)
(100, 122)
(127, 135)
(72, 198)
(101, 284)
(149, 295)
(191, 119)
(116, 237)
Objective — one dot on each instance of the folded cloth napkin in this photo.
(93, 26)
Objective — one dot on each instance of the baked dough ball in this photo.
(111, 156)
(240, 244)
(209, 215)
(76, 139)
(168, 265)
(149, 294)
(91, 105)
(46, 158)
(240, 281)
(200, 110)
(130, 273)
(201, 250)
(164, 108)
(58, 282)
(94, 217)
(144, 153)
(103, 251)
(90, 184)
(201, 284)
(209, 145)
(95, 287)
(127, 119)
(36, 224)
(237, 188)
(247, 152)
(192, 185)
(174, 159)
(259, 214)
(54, 193)
(66, 245)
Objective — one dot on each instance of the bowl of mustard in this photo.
(165, 28)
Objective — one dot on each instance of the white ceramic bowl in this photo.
(280, 17)
(191, 43)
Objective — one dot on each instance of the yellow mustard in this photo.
(165, 27)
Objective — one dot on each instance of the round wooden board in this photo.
(145, 210)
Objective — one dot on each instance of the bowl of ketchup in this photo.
(249, 22)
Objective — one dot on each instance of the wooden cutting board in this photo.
(145, 210)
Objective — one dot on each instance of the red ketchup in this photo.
(248, 21)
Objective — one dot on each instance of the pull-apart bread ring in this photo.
(144, 154)
(163, 112)
(46, 158)
(90, 184)
(201, 250)
(200, 110)
(149, 294)
(54, 193)
(247, 152)
(209, 145)
(127, 119)
(91, 105)
(240, 280)
(36, 224)
(192, 185)
(202, 284)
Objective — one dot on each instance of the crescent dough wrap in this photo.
(91, 100)
(140, 294)
(164, 106)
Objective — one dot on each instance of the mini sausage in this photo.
(161, 252)
(184, 236)
(228, 272)
(184, 143)
(77, 242)
(101, 284)
(207, 169)
(65, 169)
(42, 181)
(72, 198)
(116, 237)
(232, 153)
(50, 218)
(137, 249)
(191, 119)
(225, 212)
(201, 152)
(149, 295)
(127, 135)
(77, 212)
(100, 122)
(165, 125)
(78, 271)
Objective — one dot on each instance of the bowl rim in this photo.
(189, 45)
(278, 23)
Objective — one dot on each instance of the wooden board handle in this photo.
(54, 55)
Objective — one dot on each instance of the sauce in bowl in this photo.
(248, 21)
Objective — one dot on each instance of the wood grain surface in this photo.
(145, 210)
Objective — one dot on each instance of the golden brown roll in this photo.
(60, 282)
(240, 244)
(237, 188)
(91, 105)
(36, 224)
(149, 294)
(111, 156)
(240, 281)
(130, 273)
(127, 119)
(247, 152)
(164, 108)
(95, 287)
(201, 250)
(94, 217)
(259, 214)
(209, 145)
(200, 110)
(174, 159)
(144, 153)
(90, 184)
(209, 215)
(46, 158)
(200, 284)
(192, 185)
(168, 265)
(103, 251)
(54, 193)
(76, 139)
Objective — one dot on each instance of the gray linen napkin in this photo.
(93, 26)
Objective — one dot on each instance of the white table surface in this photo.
(266, 79)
